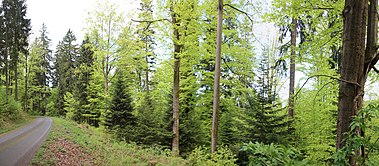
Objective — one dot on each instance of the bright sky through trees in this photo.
(60, 15)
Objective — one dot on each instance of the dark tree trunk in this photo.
(291, 101)
(216, 85)
(26, 84)
(359, 57)
(16, 77)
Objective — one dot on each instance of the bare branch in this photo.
(151, 21)
(322, 75)
(247, 15)
(375, 69)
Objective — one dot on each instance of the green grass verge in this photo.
(101, 147)
(9, 125)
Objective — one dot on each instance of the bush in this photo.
(261, 154)
(201, 156)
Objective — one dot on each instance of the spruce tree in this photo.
(65, 68)
(83, 72)
(267, 117)
(17, 30)
(120, 117)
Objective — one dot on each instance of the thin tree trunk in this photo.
(26, 84)
(16, 77)
(6, 74)
(216, 85)
(291, 100)
(147, 71)
(176, 91)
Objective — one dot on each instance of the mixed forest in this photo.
(194, 77)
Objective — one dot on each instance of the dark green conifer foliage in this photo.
(39, 72)
(83, 72)
(17, 30)
(269, 121)
(65, 65)
(119, 117)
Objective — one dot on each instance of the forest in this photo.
(193, 77)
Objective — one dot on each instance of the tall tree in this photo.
(84, 70)
(216, 94)
(105, 34)
(17, 33)
(359, 57)
(176, 90)
(291, 98)
(65, 65)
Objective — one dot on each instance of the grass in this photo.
(100, 147)
(6, 126)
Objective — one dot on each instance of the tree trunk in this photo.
(354, 69)
(175, 105)
(216, 85)
(6, 74)
(26, 84)
(147, 71)
(291, 99)
(16, 77)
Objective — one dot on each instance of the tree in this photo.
(359, 57)
(104, 34)
(120, 117)
(291, 98)
(84, 70)
(65, 64)
(17, 32)
(216, 94)
(176, 89)
(37, 73)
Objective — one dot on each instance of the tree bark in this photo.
(26, 84)
(176, 88)
(147, 72)
(357, 60)
(216, 85)
(16, 77)
(291, 100)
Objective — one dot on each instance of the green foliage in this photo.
(120, 116)
(354, 141)
(201, 156)
(71, 107)
(270, 154)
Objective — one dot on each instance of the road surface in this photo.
(18, 147)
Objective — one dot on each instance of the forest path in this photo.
(19, 146)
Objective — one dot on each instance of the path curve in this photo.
(19, 146)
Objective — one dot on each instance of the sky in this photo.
(62, 15)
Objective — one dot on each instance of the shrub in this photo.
(201, 156)
(261, 154)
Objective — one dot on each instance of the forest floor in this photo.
(69, 143)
